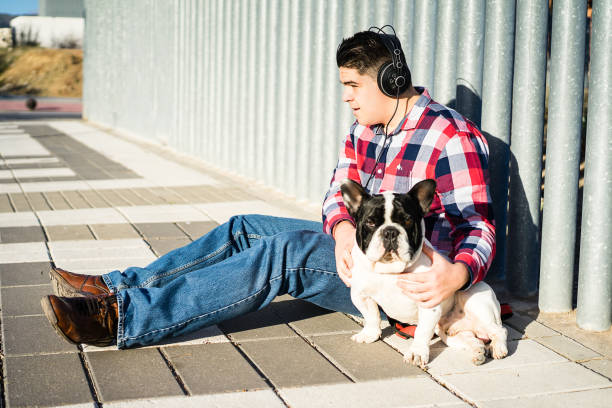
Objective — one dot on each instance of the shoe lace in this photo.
(99, 307)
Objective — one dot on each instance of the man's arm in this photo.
(462, 184)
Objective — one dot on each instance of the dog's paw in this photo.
(479, 356)
(366, 336)
(417, 355)
(498, 349)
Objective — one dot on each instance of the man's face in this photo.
(368, 103)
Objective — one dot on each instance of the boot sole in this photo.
(50, 313)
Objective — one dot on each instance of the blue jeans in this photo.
(238, 267)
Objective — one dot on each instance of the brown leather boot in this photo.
(71, 284)
(89, 319)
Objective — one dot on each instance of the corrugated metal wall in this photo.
(249, 85)
(60, 8)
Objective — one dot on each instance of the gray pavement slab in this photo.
(149, 196)
(38, 201)
(5, 203)
(129, 374)
(160, 230)
(32, 335)
(94, 199)
(568, 348)
(23, 300)
(524, 380)
(75, 199)
(252, 399)
(419, 392)
(214, 368)
(196, 229)
(20, 203)
(114, 231)
(57, 200)
(68, 232)
(263, 324)
(163, 246)
(27, 273)
(529, 327)
(598, 398)
(21, 234)
(601, 366)
(114, 199)
(291, 362)
(45, 380)
(129, 195)
(364, 362)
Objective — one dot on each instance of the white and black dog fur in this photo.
(389, 239)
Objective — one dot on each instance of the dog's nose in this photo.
(390, 233)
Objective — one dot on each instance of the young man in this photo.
(243, 264)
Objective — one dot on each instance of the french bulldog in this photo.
(389, 238)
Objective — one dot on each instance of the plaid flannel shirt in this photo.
(432, 142)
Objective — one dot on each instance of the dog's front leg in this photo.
(418, 353)
(371, 319)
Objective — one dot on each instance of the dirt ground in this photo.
(41, 72)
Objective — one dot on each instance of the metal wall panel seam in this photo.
(424, 46)
(445, 66)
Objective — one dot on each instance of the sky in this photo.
(18, 7)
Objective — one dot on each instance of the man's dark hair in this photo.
(364, 51)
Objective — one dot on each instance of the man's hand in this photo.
(441, 281)
(344, 234)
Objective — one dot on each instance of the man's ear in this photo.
(353, 195)
(423, 193)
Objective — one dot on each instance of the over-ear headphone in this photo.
(394, 76)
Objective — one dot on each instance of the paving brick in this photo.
(401, 392)
(68, 232)
(157, 230)
(34, 381)
(169, 196)
(128, 374)
(32, 335)
(291, 362)
(196, 229)
(365, 362)
(598, 398)
(524, 380)
(18, 219)
(162, 213)
(263, 324)
(114, 231)
(221, 212)
(23, 252)
(445, 360)
(75, 199)
(529, 327)
(21, 234)
(602, 366)
(23, 300)
(253, 399)
(38, 201)
(568, 348)
(113, 198)
(232, 372)
(5, 203)
(57, 200)
(81, 216)
(28, 273)
(163, 246)
(94, 199)
(130, 196)
(19, 202)
(310, 319)
(149, 196)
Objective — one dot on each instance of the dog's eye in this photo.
(370, 224)
(408, 222)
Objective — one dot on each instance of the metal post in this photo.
(470, 54)
(562, 155)
(445, 69)
(595, 279)
(497, 115)
(526, 146)
(424, 45)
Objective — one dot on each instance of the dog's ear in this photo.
(353, 195)
(423, 193)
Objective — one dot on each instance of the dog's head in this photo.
(390, 226)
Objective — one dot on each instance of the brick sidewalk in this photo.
(91, 201)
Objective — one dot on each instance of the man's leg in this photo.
(301, 263)
(228, 239)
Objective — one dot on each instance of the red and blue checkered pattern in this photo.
(432, 142)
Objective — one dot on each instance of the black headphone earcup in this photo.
(389, 81)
